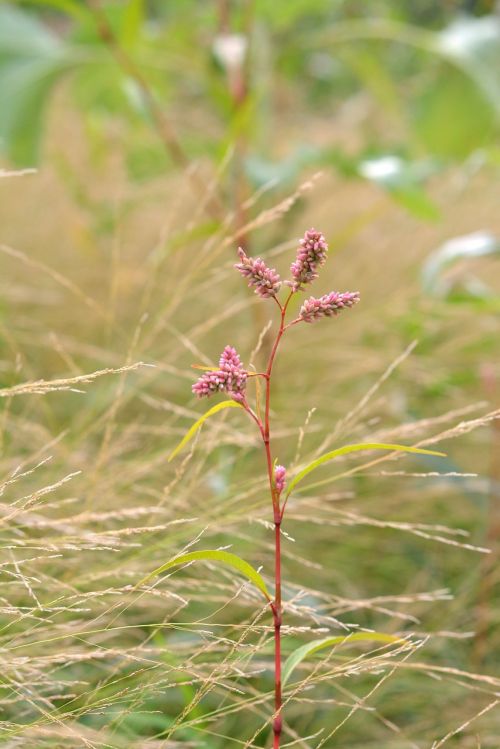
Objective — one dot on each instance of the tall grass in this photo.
(90, 504)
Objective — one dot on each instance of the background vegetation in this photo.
(163, 134)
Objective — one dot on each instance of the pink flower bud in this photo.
(266, 281)
(328, 305)
(311, 255)
(280, 478)
(210, 383)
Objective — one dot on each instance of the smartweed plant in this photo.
(231, 378)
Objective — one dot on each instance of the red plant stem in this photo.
(277, 516)
(276, 608)
(277, 616)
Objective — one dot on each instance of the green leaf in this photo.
(192, 431)
(131, 22)
(404, 181)
(71, 7)
(473, 44)
(468, 96)
(452, 118)
(459, 108)
(31, 61)
(454, 251)
(22, 35)
(355, 448)
(417, 202)
(309, 648)
(216, 556)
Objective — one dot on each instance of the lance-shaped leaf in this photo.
(32, 60)
(355, 448)
(456, 250)
(212, 555)
(309, 648)
(192, 431)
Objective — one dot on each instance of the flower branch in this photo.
(232, 378)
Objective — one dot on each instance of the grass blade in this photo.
(216, 556)
(355, 448)
(309, 648)
(192, 431)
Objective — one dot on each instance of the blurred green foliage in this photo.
(433, 75)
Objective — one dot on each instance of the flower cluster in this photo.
(280, 478)
(327, 305)
(230, 364)
(209, 383)
(310, 256)
(266, 281)
(230, 378)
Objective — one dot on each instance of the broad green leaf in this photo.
(192, 431)
(474, 45)
(466, 91)
(32, 59)
(396, 172)
(456, 250)
(71, 7)
(131, 22)
(417, 202)
(22, 35)
(215, 556)
(355, 448)
(451, 117)
(26, 87)
(309, 648)
(458, 109)
(404, 181)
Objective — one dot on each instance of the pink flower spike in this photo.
(210, 383)
(328, 305)
(230, 363)
(311, 255)
(230, 378)
(229, 359)
(266, 281)
(280, 478)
